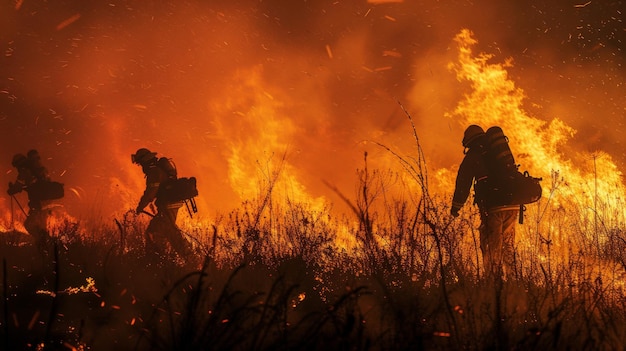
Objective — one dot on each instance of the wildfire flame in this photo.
(583, 193)
(270, 102)
(259, 149)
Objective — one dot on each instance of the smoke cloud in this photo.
(226, 88)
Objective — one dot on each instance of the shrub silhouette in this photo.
(273, 277)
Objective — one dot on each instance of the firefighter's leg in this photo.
(498, 246)
(155, 236)
(175, 235)
(36, 225)
(485, 245)
(508, 219)
(490, 243)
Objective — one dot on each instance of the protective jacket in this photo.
(155, 177)
(28, 177)
(472, 170)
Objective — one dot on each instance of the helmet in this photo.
(33, 154)
(472, 133)
(19, 160)
(142, 156)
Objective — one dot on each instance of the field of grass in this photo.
(272, 275)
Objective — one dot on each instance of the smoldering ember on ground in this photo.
(273, 106)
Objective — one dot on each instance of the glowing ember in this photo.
(325, 138)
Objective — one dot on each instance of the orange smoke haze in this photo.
(238, 91)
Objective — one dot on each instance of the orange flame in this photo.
(259, 153)
(583, 192)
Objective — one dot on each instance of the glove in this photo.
(14, 188)
(454, 212)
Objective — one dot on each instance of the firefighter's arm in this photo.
(15, 188)
(153, 181)
(148, 196)
(464, 180)
(454, 210)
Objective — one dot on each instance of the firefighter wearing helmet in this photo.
(497, 227)
(162, 229)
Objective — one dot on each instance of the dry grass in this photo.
(275, 277)
(412, 281)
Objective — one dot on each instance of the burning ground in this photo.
(272, 106)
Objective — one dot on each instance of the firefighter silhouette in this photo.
(162, 229)
(33, 178)
(497, 228)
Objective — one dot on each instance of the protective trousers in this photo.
(162, 230)
(497, 241)
(36, 224)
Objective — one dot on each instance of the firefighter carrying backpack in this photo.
(509, 185)
(177, 189)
